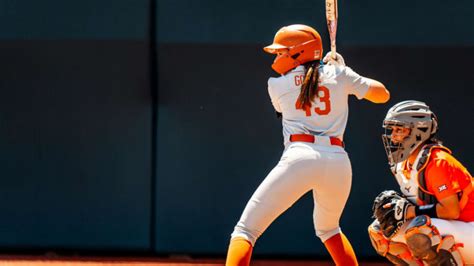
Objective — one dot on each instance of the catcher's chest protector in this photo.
(424, 196)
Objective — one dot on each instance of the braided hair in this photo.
(309, 88)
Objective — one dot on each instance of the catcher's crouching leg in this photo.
(396, 252)
(425, 242)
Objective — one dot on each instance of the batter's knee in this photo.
(246, 233)
(326, 234)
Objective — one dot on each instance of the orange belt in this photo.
(311, 138)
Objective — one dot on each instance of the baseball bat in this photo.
(331, 19)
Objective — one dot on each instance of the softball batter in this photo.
(313, 101)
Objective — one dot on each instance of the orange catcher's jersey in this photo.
(444, 176)
(329, 111)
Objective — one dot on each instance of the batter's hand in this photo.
(330, 61)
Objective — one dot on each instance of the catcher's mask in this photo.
(295, 45)
(411, 114)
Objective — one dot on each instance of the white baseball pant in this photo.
(324, 169)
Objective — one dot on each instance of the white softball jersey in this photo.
(329, 112)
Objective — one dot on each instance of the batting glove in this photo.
(330, 61)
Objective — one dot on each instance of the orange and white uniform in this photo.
(322, 167)
(440, 176)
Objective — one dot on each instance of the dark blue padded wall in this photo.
(367, 22)
(78, 128)
(217, 134)
(75, 126)
(218, 137)
(85, 19)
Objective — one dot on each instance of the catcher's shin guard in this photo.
(425, 243)
(396, 252)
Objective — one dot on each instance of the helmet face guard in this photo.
(397, 151)
(408, 114)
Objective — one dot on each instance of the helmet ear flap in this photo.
(283, 63)
(297, 55)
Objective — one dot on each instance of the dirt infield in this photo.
(116, 261)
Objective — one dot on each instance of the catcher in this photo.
(432, 223)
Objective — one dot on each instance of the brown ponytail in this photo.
(309, 88)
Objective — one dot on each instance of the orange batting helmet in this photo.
(294, 45)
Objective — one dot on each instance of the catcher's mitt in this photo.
(390, 209)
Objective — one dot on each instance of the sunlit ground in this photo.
(116, 261)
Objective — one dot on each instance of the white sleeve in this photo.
(354, 83)
(273, 96)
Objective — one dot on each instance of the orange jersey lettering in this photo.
(299, 80)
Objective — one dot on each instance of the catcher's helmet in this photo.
(414, 115)
(295, 45)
